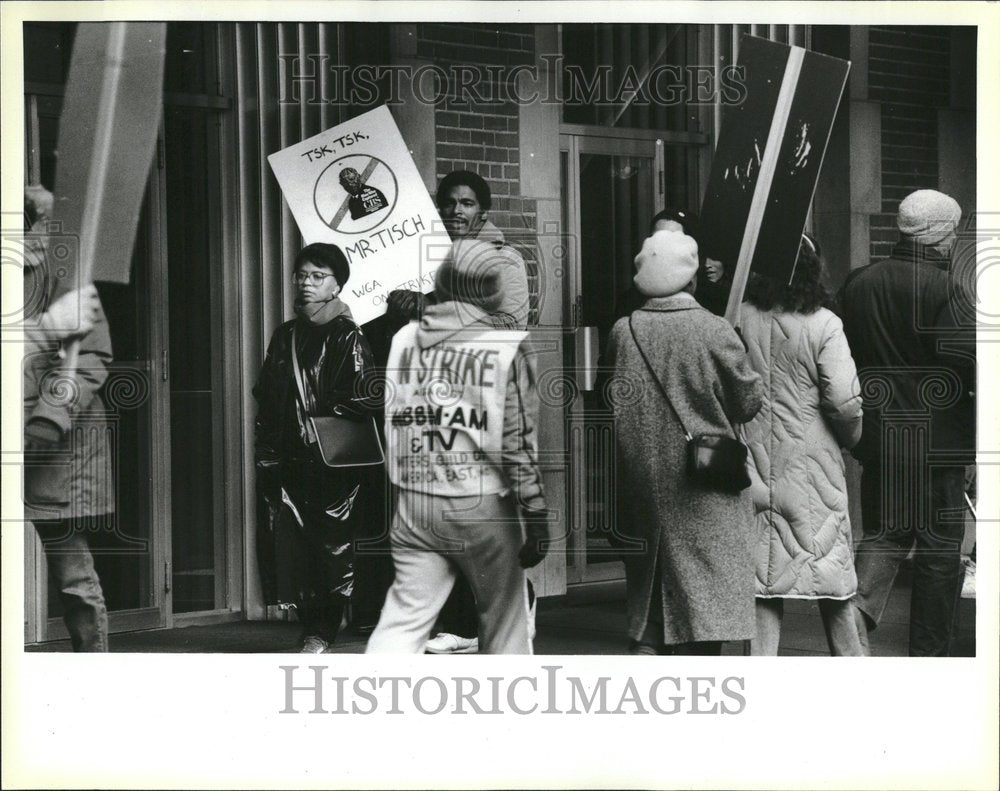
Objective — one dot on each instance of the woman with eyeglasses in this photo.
(309, 512)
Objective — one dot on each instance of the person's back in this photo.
(811, 409)
(896, 313)
(916, 361)
(689, 578)
(460, 411)
(804, 391)
(888, 308)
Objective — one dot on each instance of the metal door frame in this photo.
(575, 141)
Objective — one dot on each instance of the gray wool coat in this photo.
(689, 555)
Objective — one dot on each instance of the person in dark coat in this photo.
(68, 486)
(309, 513)
(915, 350)
(691, 585)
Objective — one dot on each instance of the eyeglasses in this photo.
(316, 278)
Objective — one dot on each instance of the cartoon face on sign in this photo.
(354, 194)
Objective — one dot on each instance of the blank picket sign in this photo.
(107, 132)
(767, 161)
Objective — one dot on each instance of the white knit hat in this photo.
(667, 262)
(928, 216)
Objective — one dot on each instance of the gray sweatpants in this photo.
(433, 538)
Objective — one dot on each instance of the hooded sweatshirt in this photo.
(461, 407)
(514, 307)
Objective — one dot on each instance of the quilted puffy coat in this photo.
(812, 408)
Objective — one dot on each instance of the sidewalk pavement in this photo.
(580, 623)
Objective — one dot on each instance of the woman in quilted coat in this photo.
(812, 409)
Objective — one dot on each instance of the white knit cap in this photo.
(667, 262)
(928, 216)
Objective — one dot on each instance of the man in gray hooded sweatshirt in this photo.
(464, 201)
(461, 406)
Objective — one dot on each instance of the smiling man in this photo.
(463, 201)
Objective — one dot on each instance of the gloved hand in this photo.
(73, 314)
(41, 434)
(742, 340)
(536, 529)
(406, 305)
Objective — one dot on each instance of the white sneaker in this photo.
(445, 643)
(969, 583)
(314, 645)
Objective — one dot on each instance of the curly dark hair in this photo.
(806, 293)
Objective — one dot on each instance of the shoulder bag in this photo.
(714, 460)
(339, 442)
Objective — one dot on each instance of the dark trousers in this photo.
(904, 506)
(702, 648)
(71, 567)
(315, 566)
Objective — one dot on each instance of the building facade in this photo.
(578, 159)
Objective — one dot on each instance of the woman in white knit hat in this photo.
(690, 582)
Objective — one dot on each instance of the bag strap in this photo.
(656, 379)
(297, 375)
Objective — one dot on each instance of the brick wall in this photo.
(482, 136)
(909, 73)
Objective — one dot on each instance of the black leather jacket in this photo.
(337, 366)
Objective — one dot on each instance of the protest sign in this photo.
(768, 160)
(356, 186)
(108, 124)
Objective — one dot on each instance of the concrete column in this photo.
(957, 123)
(865, 160)
(538, 146)
(414, 118)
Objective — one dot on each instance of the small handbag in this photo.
(339, 442)
(715, 460)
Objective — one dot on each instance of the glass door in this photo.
(612, 188)
(193, 357)
(202, 339)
